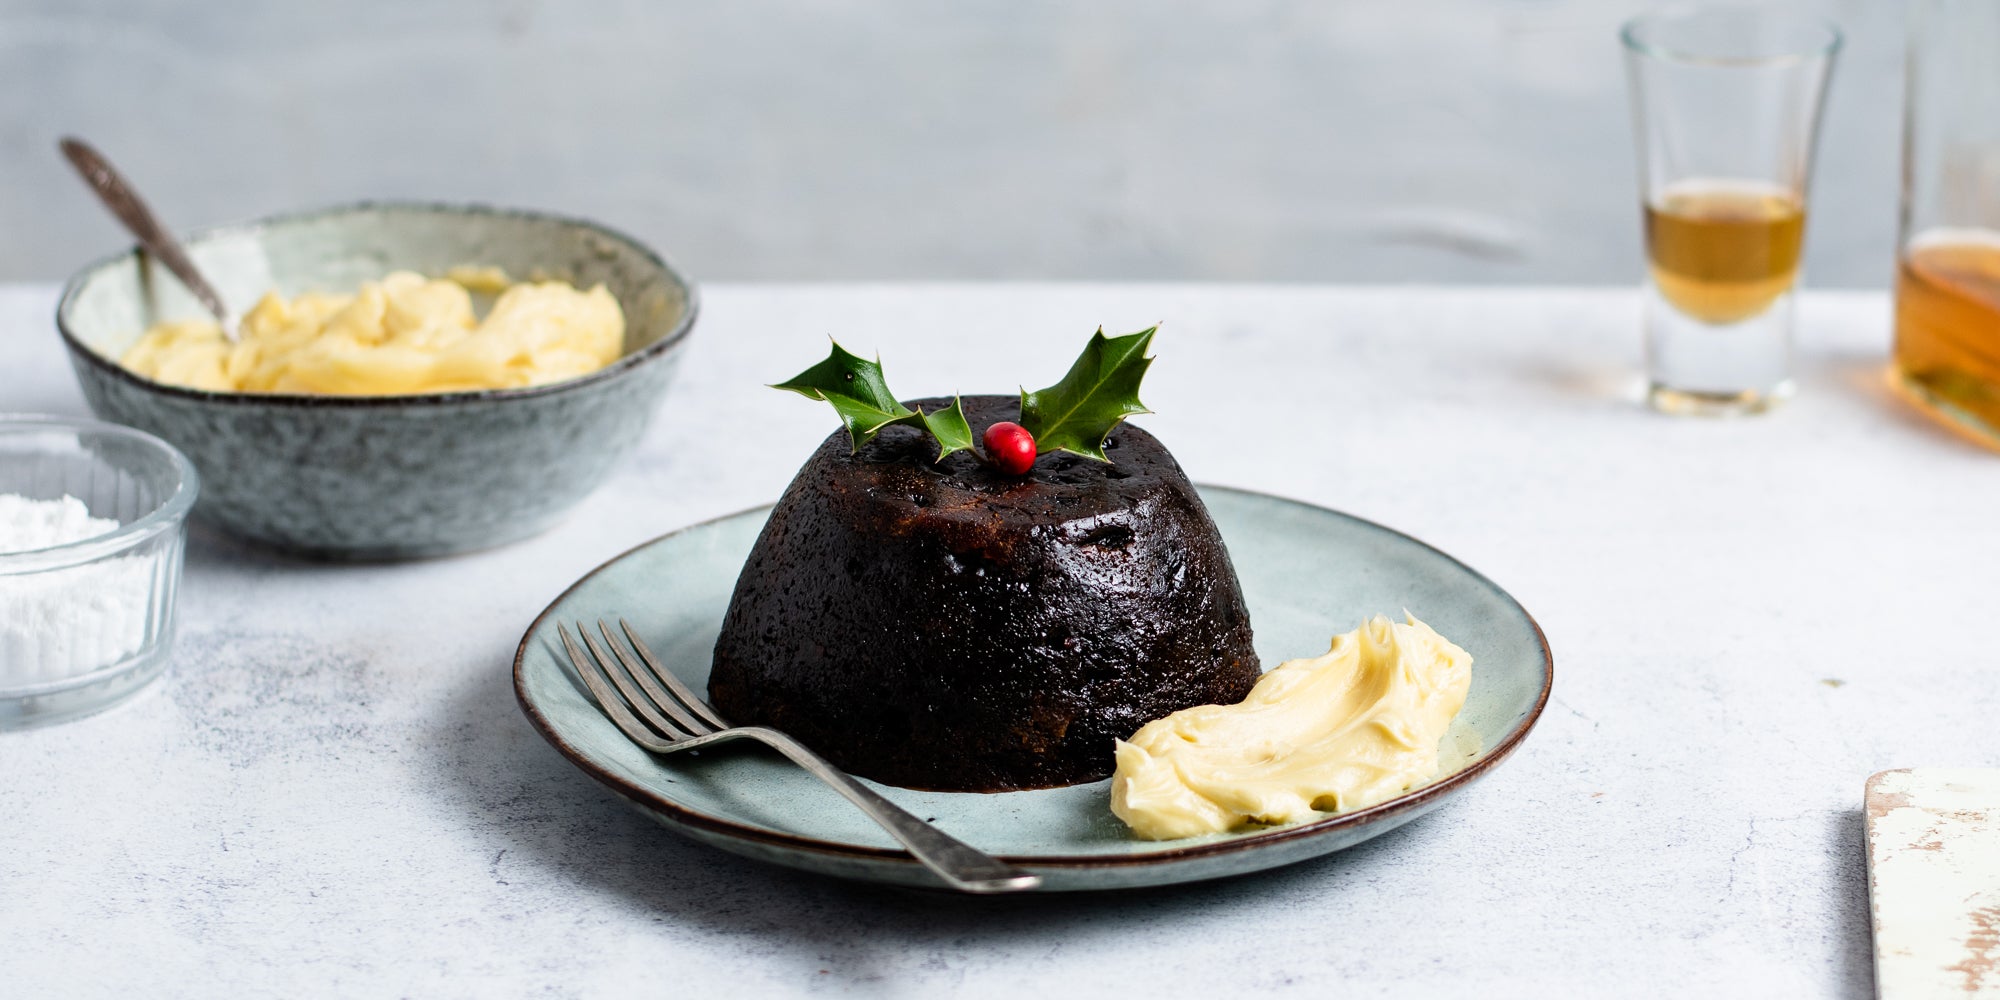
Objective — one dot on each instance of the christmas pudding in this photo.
(929, 615)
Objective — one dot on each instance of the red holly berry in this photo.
(1010, 447)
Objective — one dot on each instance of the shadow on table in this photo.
(1584, 380)
(1863, 377)
(210, 543)
(1867, 378)
(567, 829)
(1854, 937)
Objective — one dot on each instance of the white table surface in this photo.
(333, 792)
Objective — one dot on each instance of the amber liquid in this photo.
(1723, 253)
(1948, 326)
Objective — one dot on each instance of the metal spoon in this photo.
(124, 202)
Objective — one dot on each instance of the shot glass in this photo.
(1726, 104)
(1947, 356)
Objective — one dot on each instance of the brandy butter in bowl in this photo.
(299, 452)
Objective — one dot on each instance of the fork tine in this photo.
(639, 702)
(607, 700)
(660, 699)
(694, 702)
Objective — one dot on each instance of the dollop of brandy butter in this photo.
(1331, 733)
(404, 334)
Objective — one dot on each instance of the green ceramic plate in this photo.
(1307, 574)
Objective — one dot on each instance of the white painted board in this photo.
(1934, 881)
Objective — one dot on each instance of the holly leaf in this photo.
(858, 392)
(949, 426)
(861, 396)
(1100, 391)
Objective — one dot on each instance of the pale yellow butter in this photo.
(1342, 731)
(485, 278)
(403, 334)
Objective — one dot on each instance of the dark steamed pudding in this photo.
(945, 626)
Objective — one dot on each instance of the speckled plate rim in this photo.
(1420, 799)
(667, 343)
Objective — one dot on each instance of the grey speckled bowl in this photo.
(386, 477)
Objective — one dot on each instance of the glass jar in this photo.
(1947, 354)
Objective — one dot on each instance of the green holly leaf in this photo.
(950, 428)
(861, 396)
(1100, 391)
(858, 392)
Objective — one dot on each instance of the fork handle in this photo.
(963, 866)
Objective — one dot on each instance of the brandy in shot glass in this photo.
(1948, 275)
(1726, 102)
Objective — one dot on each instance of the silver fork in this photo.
(681, 720)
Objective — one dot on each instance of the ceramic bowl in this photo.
(386, 477)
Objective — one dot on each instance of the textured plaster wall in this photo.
(1343, 140)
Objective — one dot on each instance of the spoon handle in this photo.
(125, 203)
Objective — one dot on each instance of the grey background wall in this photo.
(1342, 140)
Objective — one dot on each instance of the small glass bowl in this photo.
(86, 624)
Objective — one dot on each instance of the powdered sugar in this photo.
(38, 524)
(60, 623)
